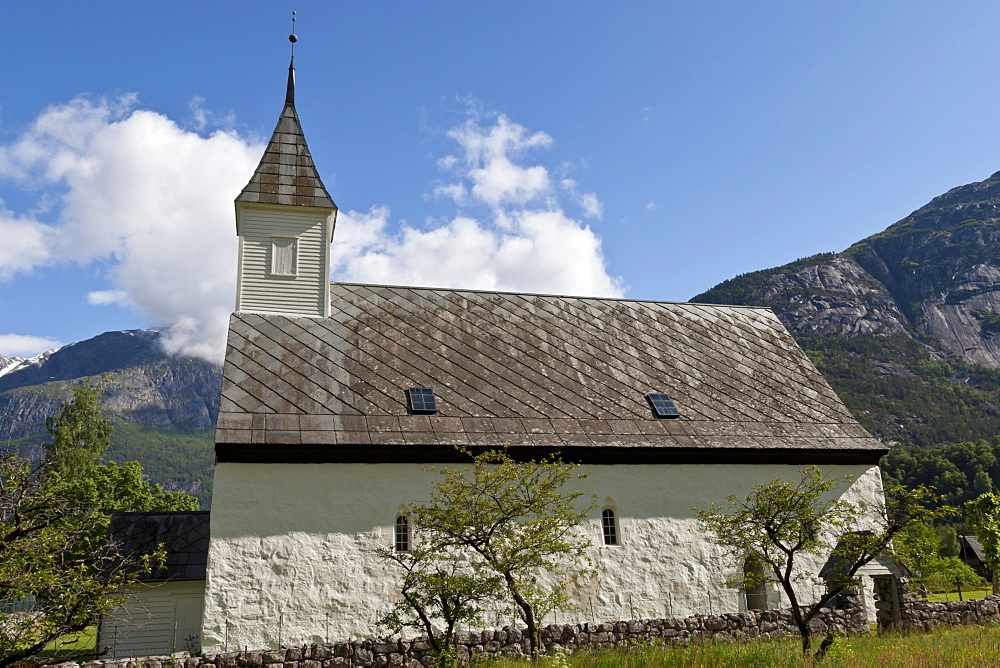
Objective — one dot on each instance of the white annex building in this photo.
(325, 431)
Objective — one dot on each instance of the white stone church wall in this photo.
(290, 559)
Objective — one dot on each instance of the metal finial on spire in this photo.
(290, 91)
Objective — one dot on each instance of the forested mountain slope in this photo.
(164, 407)
(904, 324)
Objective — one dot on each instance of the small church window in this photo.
(609, 523)
(402, 533)
(284, 256)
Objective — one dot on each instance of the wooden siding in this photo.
(258, 290)
(158, 619)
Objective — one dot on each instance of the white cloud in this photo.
(23, 345)
(454, 191)
(152, 202)
(591, 205)
(141, 191)
(203, 118)
(522, 241)
(25, 244)
(487, 161)
(108, 297)
(651, 206)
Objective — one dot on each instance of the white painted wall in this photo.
(289, 558)
(157, 619)
(306, 293)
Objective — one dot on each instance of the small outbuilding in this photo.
(163, 613)
(970, 551)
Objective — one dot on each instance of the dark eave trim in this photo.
(410, 454)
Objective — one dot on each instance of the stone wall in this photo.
(507, 641)
(925, 616)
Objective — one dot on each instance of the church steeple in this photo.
(286, 174)
(285, 219)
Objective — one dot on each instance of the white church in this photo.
(338, 398)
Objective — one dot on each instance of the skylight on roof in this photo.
(422, 400)
(663, 406)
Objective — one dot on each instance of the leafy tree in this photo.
(782, 522)
(984, 517)
(54, 547)
(961, 472)
(80, 434)
(919, 548)
(515, 522)
(438, 586)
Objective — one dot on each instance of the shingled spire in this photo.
(286, 174)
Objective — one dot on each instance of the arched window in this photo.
(755, 581)
(609, 523)
(402, 533)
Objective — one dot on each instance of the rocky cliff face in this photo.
(906, 323)
(935, 273)
(142, 385)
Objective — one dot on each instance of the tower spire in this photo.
(290, 90)
(285, 220)
(286, 173)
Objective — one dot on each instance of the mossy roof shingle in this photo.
(528, 370)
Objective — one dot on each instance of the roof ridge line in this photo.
(546, 294)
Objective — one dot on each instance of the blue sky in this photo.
(642, 149)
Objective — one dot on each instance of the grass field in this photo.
(958, 646)
(966, 595)
(71, 645)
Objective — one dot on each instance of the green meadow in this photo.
(954, 646)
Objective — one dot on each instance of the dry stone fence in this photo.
(927, 616)
(732, 627)
(508, 641)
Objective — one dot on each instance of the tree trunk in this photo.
(806, 639)
(527, 610)
(801, 622)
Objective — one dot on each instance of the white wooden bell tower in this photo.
(285, 220)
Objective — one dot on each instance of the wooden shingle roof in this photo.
(531, 371)
(971, 550)
(286, 173)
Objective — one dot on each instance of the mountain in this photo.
(904, 324)
(164, 407)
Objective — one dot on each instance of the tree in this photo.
(919, 548)
(984, 518)
(441, 587)
(54, 548)
(512, 520)
(782, 522)
(80, 434)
